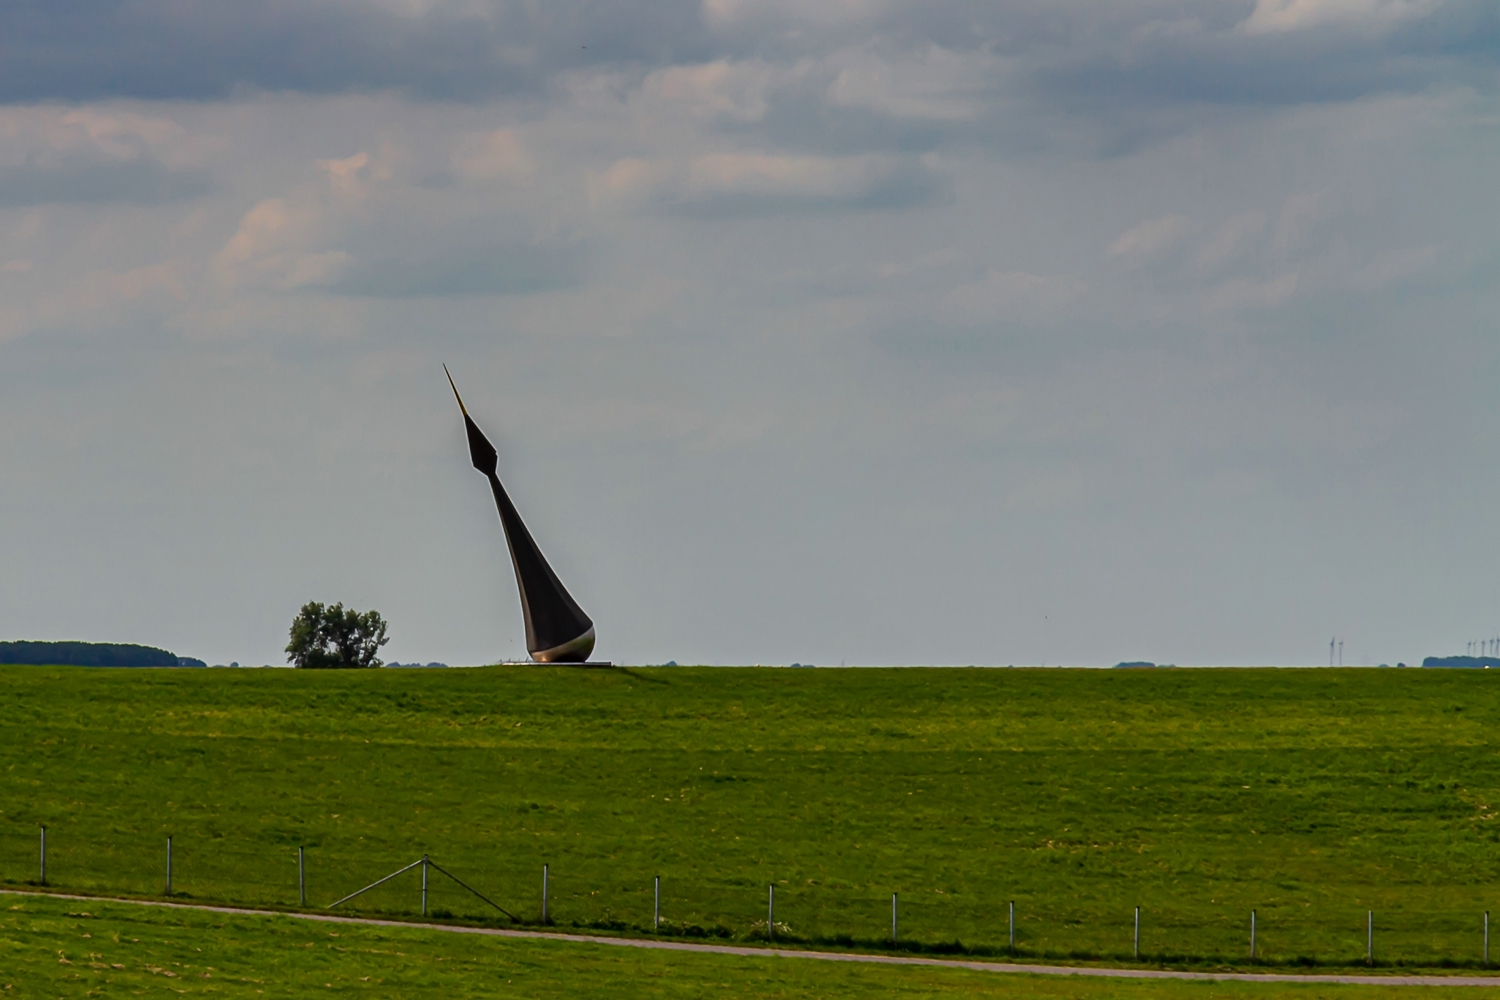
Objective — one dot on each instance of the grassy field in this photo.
(62, 948)
(1309, 795)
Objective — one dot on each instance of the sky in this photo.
(828, 331)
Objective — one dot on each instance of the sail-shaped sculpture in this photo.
(557, 630)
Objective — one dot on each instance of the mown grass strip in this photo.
(64, 947)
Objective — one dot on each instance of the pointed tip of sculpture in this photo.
(464, 409)
(481, 452)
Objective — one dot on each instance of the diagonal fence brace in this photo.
(424, 860)
(513, 918)
(382, 881)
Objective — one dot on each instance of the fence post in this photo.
(169, 866)
(44, 855)
(894, 939)
(1369, 937)
(771, 912)
(656, 907)
(424, 885)
(1486, 937)
(301, 877)
(1252, 935)
(544, 895)
(1135, 951)
(1012, 926)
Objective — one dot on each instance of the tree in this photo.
(325, 637)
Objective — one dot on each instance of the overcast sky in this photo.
(1015, 331)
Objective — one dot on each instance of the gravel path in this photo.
(824, 956)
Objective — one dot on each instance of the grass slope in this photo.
(1310, 795)
(61, 948)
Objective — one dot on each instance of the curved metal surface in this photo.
(557, 630)
(576, 651)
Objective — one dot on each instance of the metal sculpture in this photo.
(557, 630)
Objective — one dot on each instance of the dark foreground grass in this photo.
(1312, 796)
(70, 949)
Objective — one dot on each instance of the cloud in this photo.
(1300, 214)
(631, 179)
(137, 282)
(720, 90)
(496, 268)
(1250, 293)
(1272, 16)
(201, 49)
(1010, 295)
(933, 84)
(366, 234)
(1231, 239)
(1157, 76)
(137, 182)
(351, 177)
(1392, 266)
(792, 178)
(979, 71)
(491, 155)
(781, 15)
(275, 247)
(61, 156)
(361, 231)
(1151, 240)
(727, 184)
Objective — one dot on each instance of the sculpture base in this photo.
(576, 650)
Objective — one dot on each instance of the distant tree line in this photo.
(1481, 662)
(87, 654)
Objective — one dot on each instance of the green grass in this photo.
(66, 948)
(1310, 795)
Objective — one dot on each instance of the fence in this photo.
(506, 891)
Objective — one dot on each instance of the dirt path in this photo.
(824, 956)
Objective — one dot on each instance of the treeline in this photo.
(88, 654)
(1482, 662)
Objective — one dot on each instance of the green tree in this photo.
(330, 636)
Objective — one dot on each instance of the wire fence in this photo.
(507, 891)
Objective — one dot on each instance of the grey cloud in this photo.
(923, 276)
(1229, 69)
(907, 185)
(1135, 83)
(1094, 54)
(493, 269)
(1002, 345)
(1101, 79)
(139, 182)
(197, 50)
